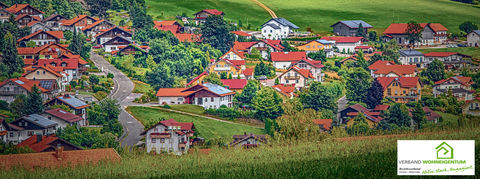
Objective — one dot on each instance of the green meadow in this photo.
(206, 128)
(320, 14)
(330, 158)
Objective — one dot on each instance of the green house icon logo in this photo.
(444, 151)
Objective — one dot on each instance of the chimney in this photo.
(58, 152)
(39, 138)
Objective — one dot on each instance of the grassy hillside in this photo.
(369, 158)
(206, 128)
(320, 14)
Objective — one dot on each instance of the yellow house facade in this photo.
(315, 46)
(233, 67)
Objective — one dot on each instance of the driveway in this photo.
(122, 90)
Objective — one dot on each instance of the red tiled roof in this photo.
(407, 82)
(188, 37)
(92, 24)
(172, 28)
(248, 71)
(381, 107)
(467, 81)
(164, 22)
(237, 63)
(17, 7)
(242, 46)
(70, 63)
(234, 83)
(276, 44)
(82, 62)
(74, 20)
(56, 34)
(380, 64)
(287, 56)
(25, 83)
(45, 68)
(64, 115)
(241, 33)
(363, 47)
(212, 11)
(315, 63)
(286, 90)
(70, 158)
(28, 61)
(173, 92)
(30, 24)
(400, 70)
(35, 18)
(32, 143)
(440, 54)
(340, 39)
(324, 123)
(196, 78)
(304, 72)
(401, 28)
(35, 50)
(188, 126)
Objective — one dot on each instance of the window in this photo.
(286, 81)
(211, 99)
(162, 141)
(154, 140)
(308, 46)
(11, 134)
(30, 133)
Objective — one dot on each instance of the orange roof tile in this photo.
(400, 70)
(56, 34)
(401, 28)
(287, 56)
(47, 69)
(286, 90)
(241, 46)
(340, 39)
(173, 92)
(188, 37)
(241, 33)
(234, 83)
(24, 83)
(324, 123)
(196, 78)
(17, 7)
(248, 71)
(467, 81)
(165, 22)
(379, 64)
(74, 20)
(407, 82)
(70, 158)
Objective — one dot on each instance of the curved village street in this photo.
(122, 90)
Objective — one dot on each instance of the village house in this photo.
(249, 73)
(111, 33)
(345, 44)
(38, 25)
(318, 45)
(97, 27)
(348, 114)
(169, 136)
(232, 68)
(47, 143)
(324, 124)
(248, 140)
(197, 80)
(233, 55)
(11, 88)
(299, 77)
(4, 128)
(243, 34)
(71, 67)
(47, 51)
(59, 158)
(116, 43)
(172, 26)
(4, 15)
(364, 49)
(350, 28)
(26, 20)
(264, 46)
(236, 85)
(42, 38)
(54, 22)
(77, 23)
(278, 28)
(64, 118)
(473, 38)
(460, 86)
(29, 126)
(472, 107)
(283, 60)
(389, 69)
(401, 89)
(288, 91)
(314, 66)
(449, 59)
(25, 9)
(206, 95)
(432, 34)
(203, 14)
(412, 57)
(48, 79)
(78, 107)
(132, 49)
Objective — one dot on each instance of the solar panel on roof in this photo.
(72, 101)
(46, 84)
(19, 82)
(39, 120)
(217, 89)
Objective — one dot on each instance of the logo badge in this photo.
(444, 151)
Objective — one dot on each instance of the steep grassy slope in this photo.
(320, 14)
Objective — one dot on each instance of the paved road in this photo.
(122, 90)
(341, 104)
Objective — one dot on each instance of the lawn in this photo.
(141, 87)
(371, 158)
(470, 51)
(320, 14)
(195, 109)
(206, 128)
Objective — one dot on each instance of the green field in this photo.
(471, 51)
(141, 87)
(371, 158)
(195, 109)
(320, 14)
(206, 128)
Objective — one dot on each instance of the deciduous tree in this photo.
(357, 84)
(414, 32)
(435, 71)
(374, 95)
(267, 104)
(216, 32)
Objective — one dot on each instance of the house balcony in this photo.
(163, 135)
(292, 77)
(10, 92)
(221, 69)
(407, 96)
